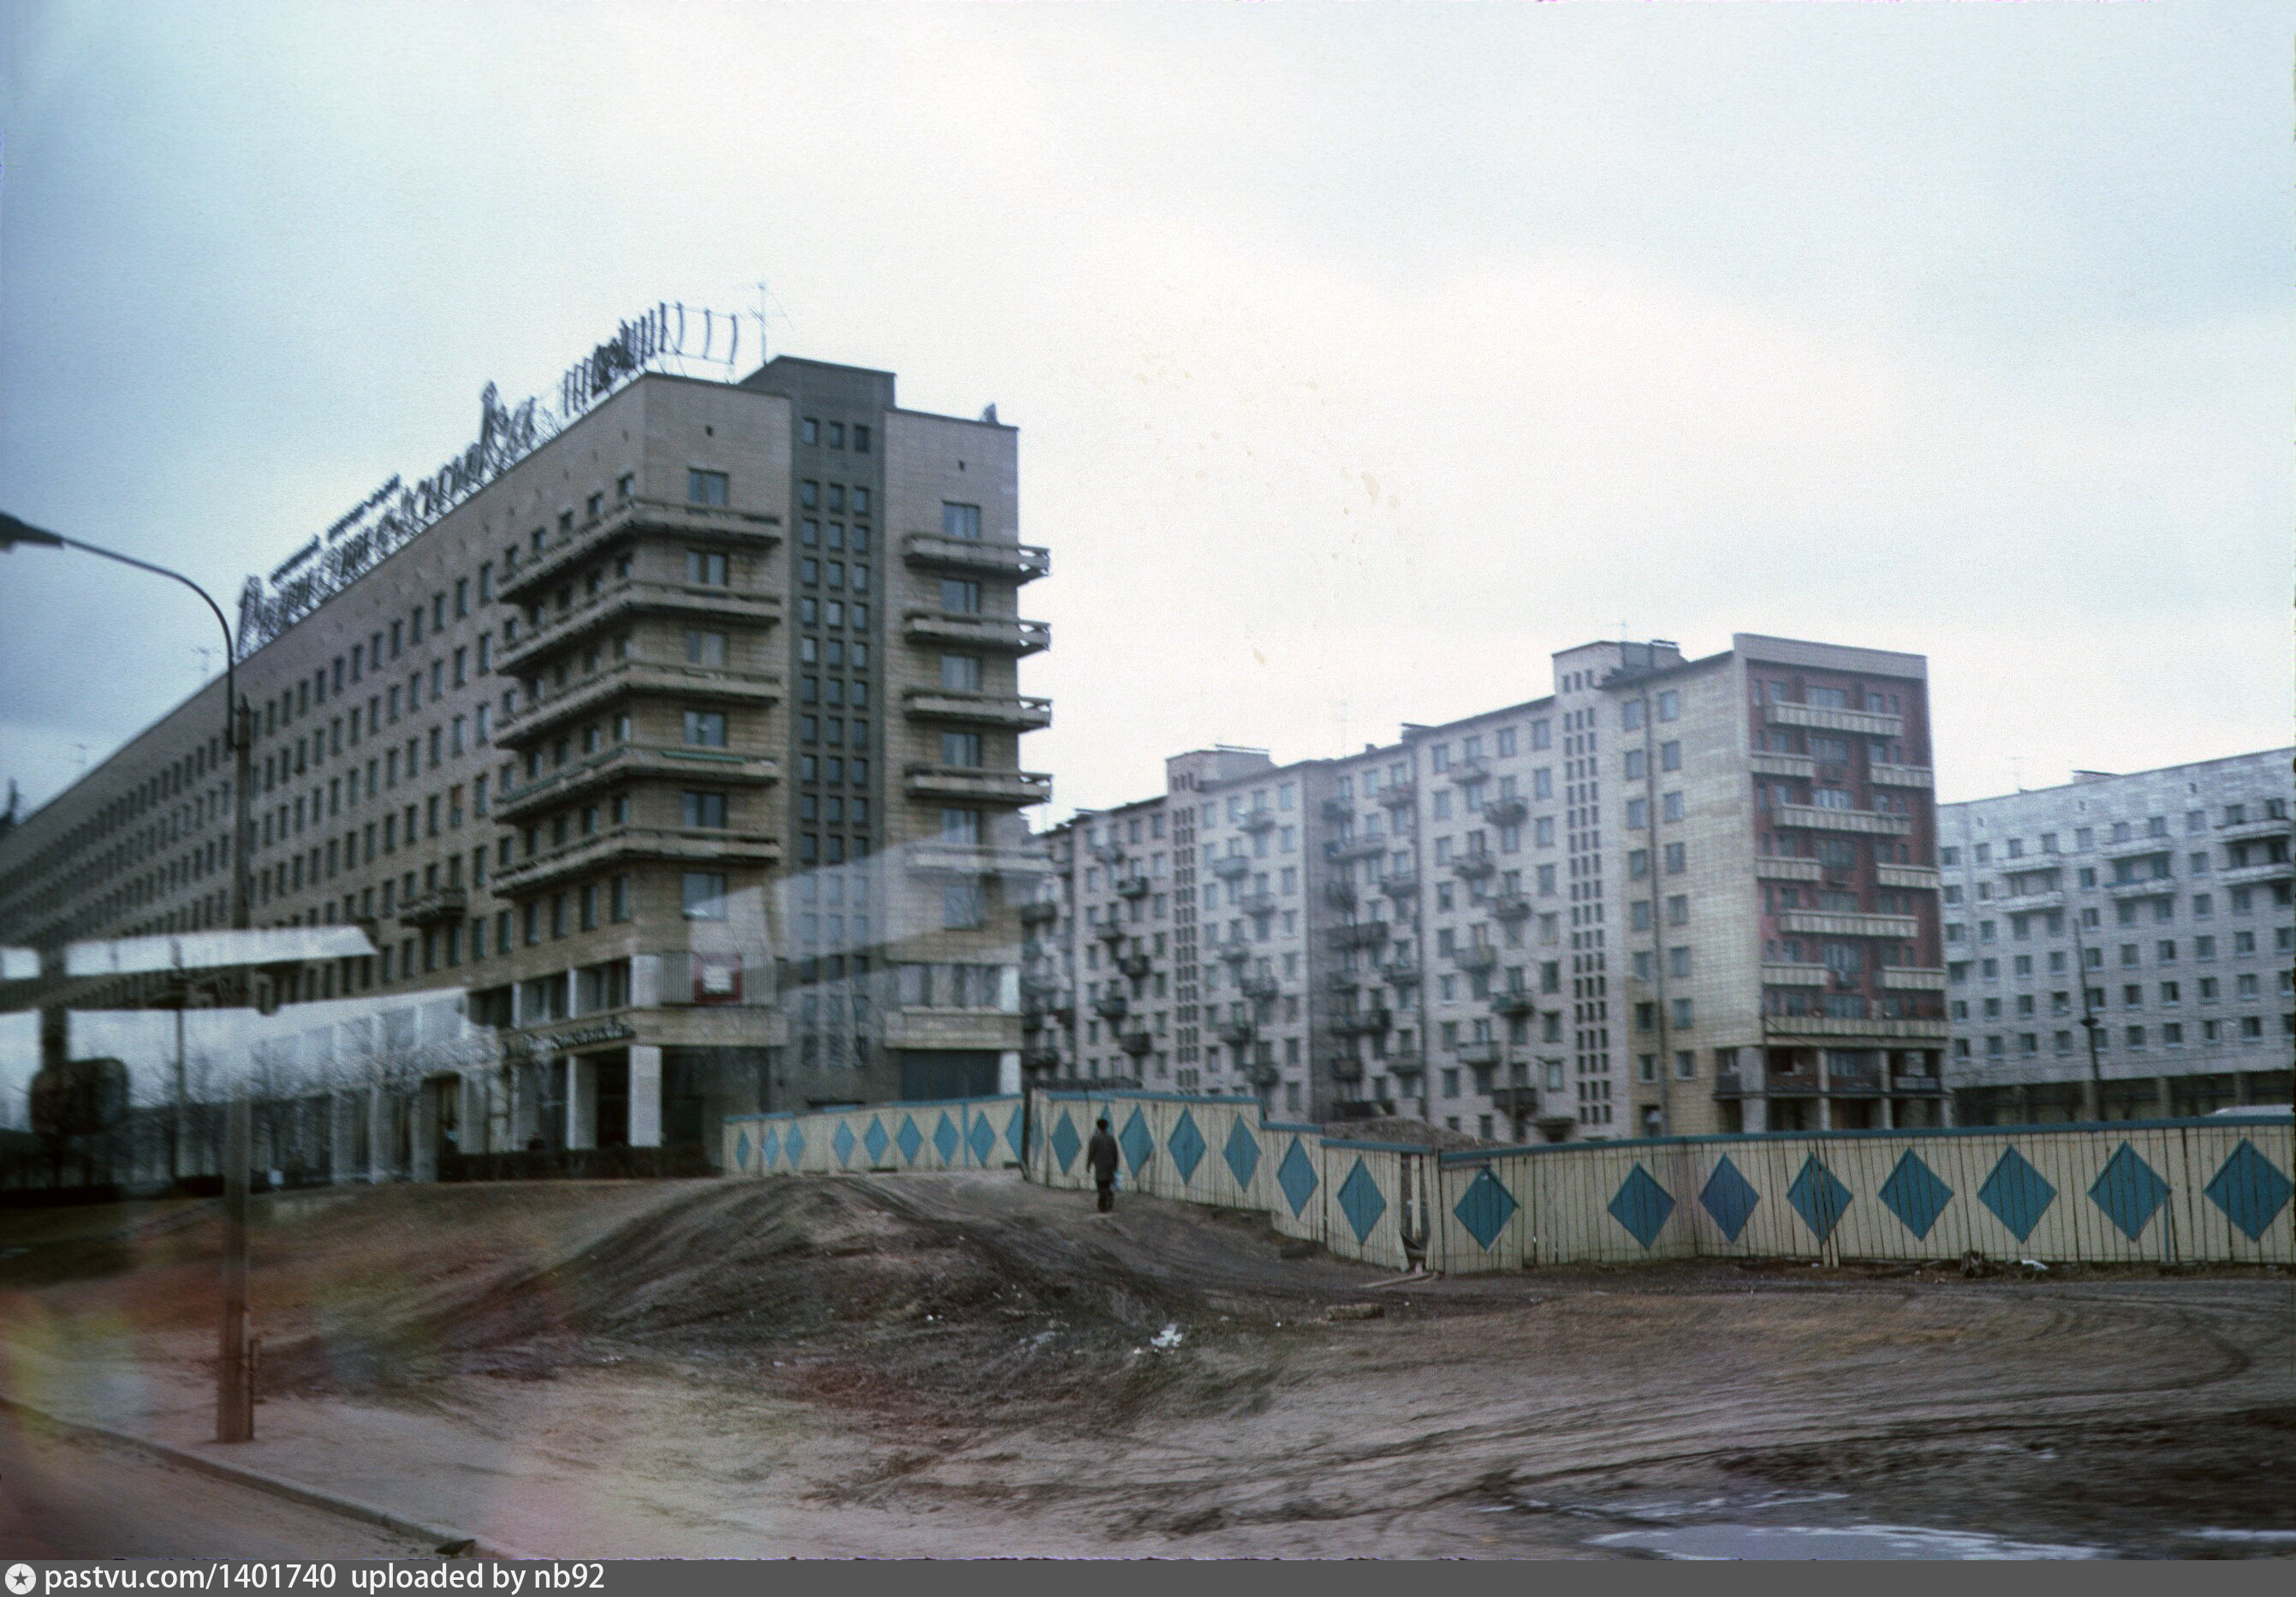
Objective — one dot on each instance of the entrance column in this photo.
(425, 1137)
(645, 1096)
(475, 1122)
(343, 1136)
(581, 1102)
(378, 1133)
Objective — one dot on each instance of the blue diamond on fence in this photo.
(981, 1139)
(741, 1150)
(910, 1138)
(875, 1140)
(945, 1142)
(840, 1143)
(1185, 1145)
(1297, 1176)
(1136, 1142)
(2129, 1191)
(1360, 1201)
(2018, 1194)
(1642, 1205)
(1485, 1207)
(1729, 1197)
(1818, 1197)
(769, 1149)
(2250, 1190)
(1916, 1195)
(793, 1145)
(1013, 1133)
(1066, 1142)
(1241, 1153)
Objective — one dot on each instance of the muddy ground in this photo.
(961, 1364)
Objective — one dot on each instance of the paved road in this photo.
(66, 1497)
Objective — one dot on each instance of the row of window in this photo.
(2120, 831)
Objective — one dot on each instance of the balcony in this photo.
(970, 785)
(1009, 710)
(1338, 810)
(954, 857)
(1111, 930)
(1859, 723)
(1256, 903)
(1867, 823)
(1901, 776)
(1400, 883)
(1342, 980)
(1510, 906)
(1108, 852)
(2263, 870)
(2263, 827)
(1481, 1052)
(2137, 848)
(1238, 954)
(995, 634)
(1398, 796)
(1040, 1059)
(1229, 867)
(1111, 1006)
(1367, 846)
(1475, 956)
(1468, 772)
(1345, 1069)
(1260, 989)
(1796, 975)
(2143, 887)
(619, 845)
(587, 695)
(691, 524)
(1135, 965)
(1853, 1080)
(1506, 812)
(624, 762)
(1472, 866)
(1780, 1027)
(1771, 869)
(1767, 764)
(1362, 1023)
(441, 906)
(2022, 903)
(625, 600)
(1399, 973)
(1257, 820)
(1909, 978)
(1039, 911)
(1339, 895)
(1132, 887)
(1812, 923)
(1358, 934)
(1403, 1066)
(1238, 1034)
(977, 557)
(1136, 1043)
(1514, 1004)
(1921, 878)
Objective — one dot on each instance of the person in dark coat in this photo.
(1100, 1158)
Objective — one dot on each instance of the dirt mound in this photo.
(848, 1289)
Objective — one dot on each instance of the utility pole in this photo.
(2089, 1022)
(234, 1393)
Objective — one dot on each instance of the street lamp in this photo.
(235, 1413)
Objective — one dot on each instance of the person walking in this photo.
(1100, 1158)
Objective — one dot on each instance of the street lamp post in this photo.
(235, 1421)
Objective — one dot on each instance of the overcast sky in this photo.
(1362, 356)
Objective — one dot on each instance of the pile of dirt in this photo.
(1399, 1128)
(852, 1291)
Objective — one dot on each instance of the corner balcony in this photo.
(1112, 930)
(1399, 973)
(1901, 776)
(1009, 710)
(1400, 795)
(1404, 1065)
(977, 556)
(1468, 772)
(1135, 965)
(1111, 1006)
(693, 523)
(1256, 903)
(1510, 906)
(1238, 954)
(587, 695)
(1400, 883)
(1868, 823)
(1369, 846)
(1858, 723)
(441, 906)
(1230, 866)
(1475, 956)
(972, 785)
(1039, 911)
(1481, 1052)
(1131, 886)
(994, 634)
(1257, 820)
(1506, 812)
(621, 602)
(1514, 1004)
(1136, 1043)
(623, 845)
(1474, 866)
(1258, 988)
(1238, 1034)
(1362, 1023)
(1814, 923)
(1360, 933)
(628, 761)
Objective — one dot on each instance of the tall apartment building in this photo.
(686, 742)
(2153, 908)
(1688, 895)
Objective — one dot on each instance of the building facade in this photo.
(685, 747)
(2151, 909)
(1670, 896)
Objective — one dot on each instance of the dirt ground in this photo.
(960, 1366)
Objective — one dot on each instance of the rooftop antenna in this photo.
(2017, 770)
(1343, 724)
(206, 658)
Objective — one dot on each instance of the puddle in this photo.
(1892, 1542)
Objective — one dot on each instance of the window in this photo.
(1677, 911)
(706, 568)
(960, 906)
(959, 596)
(1672, 806)
(1674, 859)
(960, 521)
(704, 649)
(1630, 715)
(704, 895)
(705, 728)
(1669, 708)
(1669, 756)
(706, 488)
(704, 809)
(960, 825)
(960, 748)
(961, 673)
